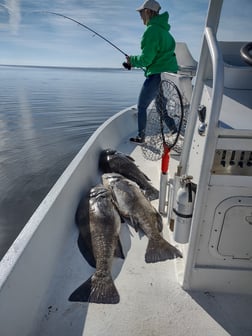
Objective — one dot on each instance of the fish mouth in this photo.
(106, 178)
(108, 151)
(105, 157)
(99, 191)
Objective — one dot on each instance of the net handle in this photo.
(165, 159)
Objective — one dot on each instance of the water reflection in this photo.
(46, 115)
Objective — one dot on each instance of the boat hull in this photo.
(30, 265)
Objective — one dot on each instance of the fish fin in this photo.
(130, 158)
(147, 178)
(97, 290)
(134, 224)
(82, 293)
(86, 250)
(119, 250)
(160, 250)
(114, 201)
(104, 290)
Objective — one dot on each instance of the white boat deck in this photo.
(152, 302)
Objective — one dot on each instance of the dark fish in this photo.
(134, 205)
(105, 222)
(84, 240)
(112, 161)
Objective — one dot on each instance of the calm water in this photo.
(46, 115)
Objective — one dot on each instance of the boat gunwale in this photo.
(11, 258)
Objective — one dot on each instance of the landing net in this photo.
(168, 104)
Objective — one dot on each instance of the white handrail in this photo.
(218, 78)
(210, 47)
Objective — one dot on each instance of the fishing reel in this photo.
(127, 65)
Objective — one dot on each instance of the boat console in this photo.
(217, 154)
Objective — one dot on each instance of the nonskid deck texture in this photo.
(152, 302)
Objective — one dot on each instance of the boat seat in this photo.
(187, 64)
(237, 73)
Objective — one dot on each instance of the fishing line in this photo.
(125, 64)
(168, 104)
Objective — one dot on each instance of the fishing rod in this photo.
(125, 64)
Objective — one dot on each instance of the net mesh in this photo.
(166, 105)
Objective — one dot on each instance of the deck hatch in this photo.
(231, 234)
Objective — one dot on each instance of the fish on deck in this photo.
(104, 226)
(112, 161)
(135, 206)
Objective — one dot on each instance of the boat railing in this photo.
(210, 50)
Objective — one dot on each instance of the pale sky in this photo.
(29, 36)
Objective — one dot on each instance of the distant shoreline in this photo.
(62, 67)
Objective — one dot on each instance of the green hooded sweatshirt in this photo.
(157, 47)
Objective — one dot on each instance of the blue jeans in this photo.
(147, 94)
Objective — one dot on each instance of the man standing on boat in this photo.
(157, 56)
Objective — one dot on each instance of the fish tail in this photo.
(82, 293)
(96, 290)
(103, 290)
(160, 250)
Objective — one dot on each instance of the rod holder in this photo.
(202, 119)
(162, 194)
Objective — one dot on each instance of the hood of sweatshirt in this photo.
(160, 20)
